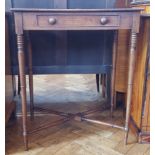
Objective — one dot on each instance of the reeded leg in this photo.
(30, 77)
(114, 54)
(132, 58)
(23, 86)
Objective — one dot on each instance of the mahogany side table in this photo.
(75, 19)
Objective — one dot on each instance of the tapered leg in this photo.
(114, 54)
(101, 77)
(132, 58)
(14, 85)
(30, 77)
(104, 85)
(97, 82)
(23, 86)
(19, 85)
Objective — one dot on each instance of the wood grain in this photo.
(73, 22)
(139, 76)
(73, 137)
(122, 61)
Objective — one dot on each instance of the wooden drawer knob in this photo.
(103, 20)
(52, 21)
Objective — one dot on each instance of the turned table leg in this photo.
(97, 82)
(114, 53)
(23, 86)
(132, 59)
(19, 85)
(30, 77)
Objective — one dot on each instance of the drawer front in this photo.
(78, 21)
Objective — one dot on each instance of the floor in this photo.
(71, 93)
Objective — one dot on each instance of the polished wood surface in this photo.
(140, 98)
(139, 78)
(29, 45)
(122, 61)
(123, 51)
(21, 59)
(62, 20)
(146, 107)
(130, 22)
(140, 114)
(113, 72)
(117, 18)
(132, 60)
